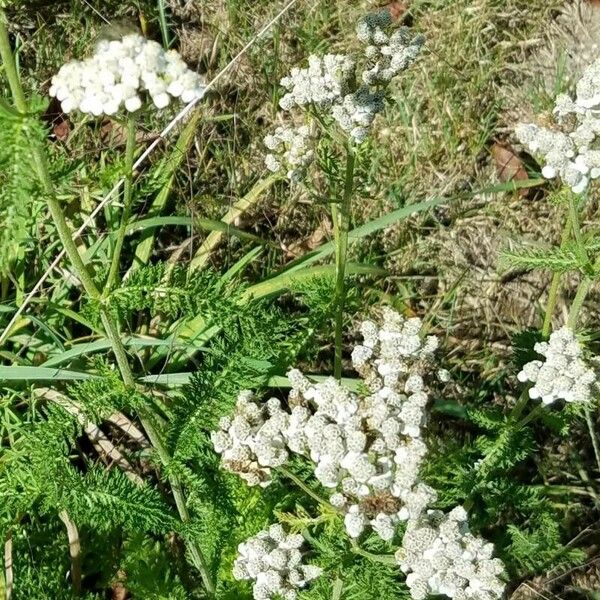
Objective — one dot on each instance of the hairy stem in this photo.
(111, 327)
(340, 214)
(10, 68)
(582, 292)
(337, 589)
(127, 205)
(9, 576)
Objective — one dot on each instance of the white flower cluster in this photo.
(251, 441)
(323, 83)
(291, 148)
(387, 55)
(356, 112)
(273, 560)
(120, 73)
(563, 374)
(442, 557)
(330, 83)
(366, 448)
(572, 155)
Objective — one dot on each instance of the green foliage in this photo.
(17, 187)
(538, 545)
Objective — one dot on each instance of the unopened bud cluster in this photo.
(571, 152)
(366, 448)
(442, 557)
(120, 74)
(272, 559)
(330, 85)
(563, 375)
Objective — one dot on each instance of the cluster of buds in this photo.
(570, 152)
(273, 561)
(442, 557)
(120, 74)
(563, 375)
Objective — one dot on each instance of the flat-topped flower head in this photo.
(322, 83)
(442, 557)
(571, 152)
(122, 75)
(563, 375)
(351, 88)
(273, 560)
(292, 150)
(366, 447)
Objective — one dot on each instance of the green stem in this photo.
(534, 414)
(198, 559)
(306, 489)
(340, 213)
(582, 292)
(127, 205)
(10, 68)
(386, 559)
(555, 284)
(338, 587)
(112, 328)
(519, 407)
(594, 437)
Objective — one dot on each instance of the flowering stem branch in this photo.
(338, 587)
(127, 205)
(340, 213)
(306, 489)
(555, 284)
(534, 414)
(111, 327)
(386, 559)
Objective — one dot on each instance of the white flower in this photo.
(251, 442)
(272, 558)
(563, 374)
(570, 154)
(120, 74)
(441, 556)
(323, 83)
(356, 112)
(389, 55)
(365, 448)
(292, 150)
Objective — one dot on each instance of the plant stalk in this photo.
(555, 284)
(112, 328)
(306, 489)
(127, 205)
(386, 559)
(340, 213)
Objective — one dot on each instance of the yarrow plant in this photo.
(273, 560)
(331, 86)
(366, 450)
(441, 556)
(563, 375)
(120, 74)
(571, 152)
(336, 99)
